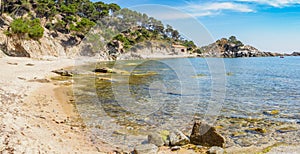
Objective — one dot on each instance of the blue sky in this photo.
(269, 25)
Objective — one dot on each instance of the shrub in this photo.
(19, 27)
(36, 32)
(33, 28)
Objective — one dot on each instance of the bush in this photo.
(33, 28)
(19, 27)
(36, 32)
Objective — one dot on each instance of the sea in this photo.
(143, 96)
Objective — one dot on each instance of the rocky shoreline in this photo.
(38, 115)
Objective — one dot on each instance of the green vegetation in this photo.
(24, 27)
(77, 17)
(234, 40)
(65, 16)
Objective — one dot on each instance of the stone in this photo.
(146, 149)
(155, 139)
(29, 64)
(175, 148)
(103, 70)
(63, 72)
(177, 138)
(216, 150)
(205, 135)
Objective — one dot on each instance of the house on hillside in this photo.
(178, 48)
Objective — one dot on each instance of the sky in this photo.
(269, 25)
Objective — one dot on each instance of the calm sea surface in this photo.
(151, 94)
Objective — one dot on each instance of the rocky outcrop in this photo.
(205, 135)
(295, 54)
(232, 48)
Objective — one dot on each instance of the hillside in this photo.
(37, 28)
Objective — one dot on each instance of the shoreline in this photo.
(36, 114)
(41, 116)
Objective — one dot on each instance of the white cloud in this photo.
(215, 8)
(274, 3)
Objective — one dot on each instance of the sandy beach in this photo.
(36, 116)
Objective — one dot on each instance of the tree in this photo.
(114, 7)
(232, 39)
(175, 35)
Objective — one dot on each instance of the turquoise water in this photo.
(151, 95)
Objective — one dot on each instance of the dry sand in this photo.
(36, 115)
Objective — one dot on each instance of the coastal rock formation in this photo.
(232, 48)
(295, 54)
(205, 135)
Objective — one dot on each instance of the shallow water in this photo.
(151, 95)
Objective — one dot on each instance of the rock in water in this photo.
(178, 139)
(63, 72)
(103, 70)
(216, 150)
(156, 139)
(203, 134)
(145, 149)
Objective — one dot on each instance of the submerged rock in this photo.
(155, 138)
(203, 134)
(146, 149)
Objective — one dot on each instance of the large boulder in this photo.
(206, 135)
